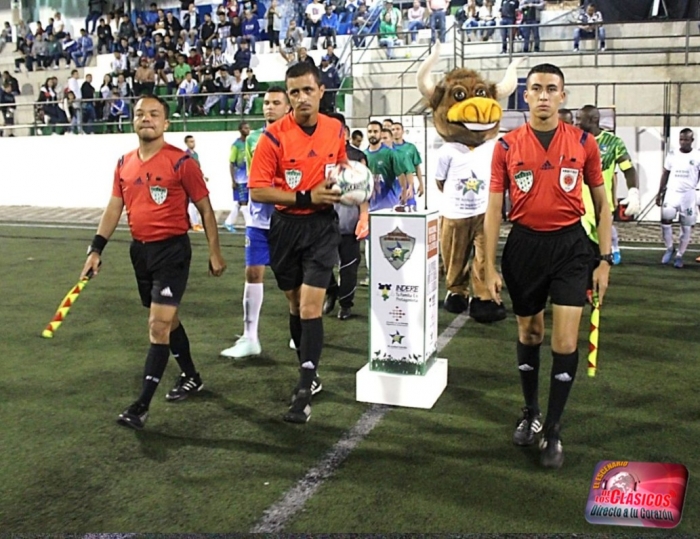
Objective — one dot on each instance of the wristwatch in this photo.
(607, 258)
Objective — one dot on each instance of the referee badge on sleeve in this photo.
(158, 194)
(568, 178)
(524, 180)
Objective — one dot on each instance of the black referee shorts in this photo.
(162, 269)
(303, 248)
(537, 265)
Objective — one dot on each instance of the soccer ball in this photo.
(354, 183)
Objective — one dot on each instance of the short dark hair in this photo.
(73, 71)
(337, 116)
(385, 130)
(275, 89)
(375, 122)
(550, 69)
(397, 123)
(240, 125)
(301, 69)
(356, 133)
(565, 111)
(387, 120)
(188, 137)
(687, 131)
(163, 103)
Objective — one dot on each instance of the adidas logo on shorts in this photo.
(166, 292)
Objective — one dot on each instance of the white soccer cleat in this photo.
(244, 347)
(634, 205)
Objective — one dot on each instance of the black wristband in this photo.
(98, 244)
(303, 199)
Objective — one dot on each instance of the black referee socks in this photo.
(295, 332)
(563, 374)
(180, 347)
(156, 361)
(529, 367)
(311, 347)
(311, 340)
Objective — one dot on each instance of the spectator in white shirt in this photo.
(59, 26)
(74, 85)
(415, 19)
(314, 12)
(590, 24)
(487, 19)
(187, 89)
(119, 64)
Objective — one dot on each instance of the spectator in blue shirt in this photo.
(150, 17)
(329, 26)
(118, 110)
(251, 30)
(84, 50)
(147, 49)
(241, 60)
(331, 81)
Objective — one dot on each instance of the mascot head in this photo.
(465, 106)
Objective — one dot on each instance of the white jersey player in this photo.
(257, 250)
(677, 195)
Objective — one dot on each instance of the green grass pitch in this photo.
(214, 463)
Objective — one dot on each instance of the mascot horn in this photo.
(467, 116)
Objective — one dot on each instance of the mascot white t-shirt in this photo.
(466, 174)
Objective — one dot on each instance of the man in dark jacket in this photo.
(331, 80)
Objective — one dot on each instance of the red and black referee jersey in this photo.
(545, 186)
(156, 192)
(288, 158)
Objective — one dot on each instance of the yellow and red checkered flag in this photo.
(64, 307)
(593, 337)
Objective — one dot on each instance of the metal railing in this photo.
(668, 108)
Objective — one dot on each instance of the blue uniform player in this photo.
(257, 250)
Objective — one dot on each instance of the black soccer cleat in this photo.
(316, 387)
(184, 387)
(329, 302)
(527, 427)
(551, 450)
(344, 313)
(134, 416)
(300, 410)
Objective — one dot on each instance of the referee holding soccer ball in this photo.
(291, 168)
(155, 183)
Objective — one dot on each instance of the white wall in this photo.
(74, 171)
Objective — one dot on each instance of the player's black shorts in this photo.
(540, 264)
(162, 269)
(303, 248)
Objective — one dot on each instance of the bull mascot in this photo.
(467, 116)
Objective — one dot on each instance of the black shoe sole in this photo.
(298, 418)
(126, 423)
(183, 396)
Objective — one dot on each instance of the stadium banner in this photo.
(403, 291)
(74, 171)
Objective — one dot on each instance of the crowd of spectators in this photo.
(206, 59)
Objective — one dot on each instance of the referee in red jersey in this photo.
(291, 168)
(155, 183)
(543, 165)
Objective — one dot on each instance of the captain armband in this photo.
(626, 165)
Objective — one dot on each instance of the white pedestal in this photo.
(411, 391)
(403, 369)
